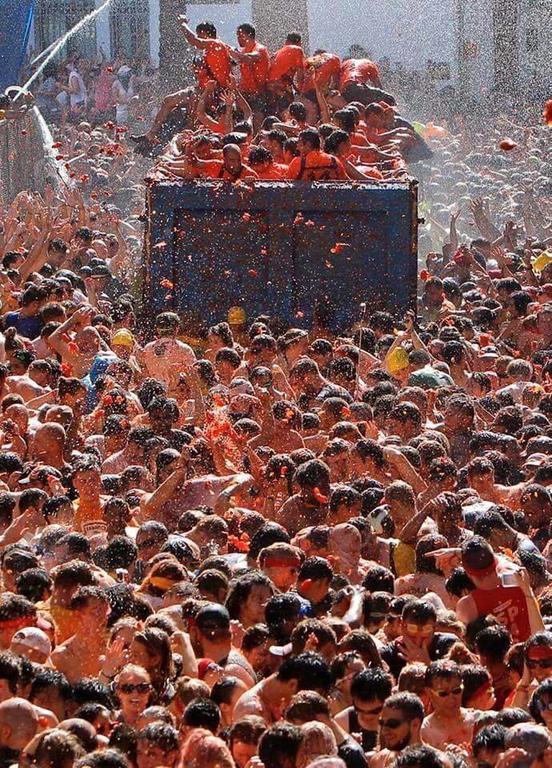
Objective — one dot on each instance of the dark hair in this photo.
(34, 584)
(310, 671)
(490, 737)
(203, 713)
(162, 735)
(379, 579)
(47, 678)
(410, 705)
(104, 758)
(537, 703)
(442, 669)
(493, 642)
(247, 29)
(310, 137)
(371, 683)
(279, 744)
(316, 569)
(420, 757)
(474, 677)
(241, 588)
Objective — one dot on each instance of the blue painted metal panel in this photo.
(281, 248)
(17, 17)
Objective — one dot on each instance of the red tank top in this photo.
(509, 606)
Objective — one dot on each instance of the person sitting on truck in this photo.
(313, 164)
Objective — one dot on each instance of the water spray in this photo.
(61, 42)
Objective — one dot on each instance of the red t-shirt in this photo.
(285, 63)
(509, 606)
(274, 172)
(327, 66)
(316, 166)
(254, 74)
(216, 65)
(357, 71)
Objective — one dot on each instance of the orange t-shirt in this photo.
(254, 74)
(285, 63)
(215, 170)
(273, 172)
(216, 64)
(357, 71)
(208, 169)
(327, 66)
(358, 139)
(369, 170)
(316, 166)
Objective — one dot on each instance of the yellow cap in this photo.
(123, 338)
(236, 316)
(397, 360)
(543, 259)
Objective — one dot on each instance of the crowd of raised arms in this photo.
(259, 546)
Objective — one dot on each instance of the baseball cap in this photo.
(123, 338)
(33, 637)
(213, 620)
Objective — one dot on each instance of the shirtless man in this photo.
(399, 727)
(82, 654)
(449, 723)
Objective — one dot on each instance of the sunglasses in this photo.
(134, 687)
(540, 663)
(391, 724)
(452, 692)
(425, 630)
(545, 706)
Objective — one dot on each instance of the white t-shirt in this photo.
(80, 98)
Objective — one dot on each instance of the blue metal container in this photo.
(284, 249)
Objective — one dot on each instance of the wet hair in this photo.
(279, 745)
(242, 587)
(371, 683)
(203, 713)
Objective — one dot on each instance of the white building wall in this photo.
(103, 36)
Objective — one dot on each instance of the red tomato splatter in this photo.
(339, 247)
(547, 112)
(319, 496)
(507, 145)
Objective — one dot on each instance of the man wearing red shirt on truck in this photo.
(285, 64)
(216, 64)
(313, 164)
(356, 77)
(254, 61)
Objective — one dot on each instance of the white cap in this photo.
(33, 637)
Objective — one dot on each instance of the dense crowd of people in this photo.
(248, 546)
